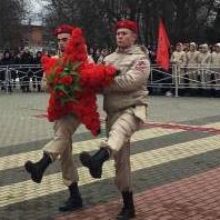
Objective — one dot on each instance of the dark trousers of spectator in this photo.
(36, 79)
(24, 78)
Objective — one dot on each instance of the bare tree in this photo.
(12, 13)
(186, 20)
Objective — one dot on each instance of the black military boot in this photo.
(94, 163)
(37, 169)
(128, 211)
(28, 89)
(22, 89)
(39, 88)
(9, 88)
(75, 201)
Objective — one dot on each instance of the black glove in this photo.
(118, 72)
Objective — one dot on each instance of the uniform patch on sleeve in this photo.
(141, 65)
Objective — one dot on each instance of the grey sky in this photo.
(36, 11)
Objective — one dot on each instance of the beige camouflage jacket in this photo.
(129, 88)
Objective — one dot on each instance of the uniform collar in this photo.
(128, 50)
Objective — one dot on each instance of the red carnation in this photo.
(74, 82)
(60, 94)
(66, 80)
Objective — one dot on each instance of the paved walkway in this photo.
(175, 163)
(196, 198)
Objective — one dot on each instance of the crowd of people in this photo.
(24, 73)
(185, 53)
(194, 67)
(30, 72)
(191, 55)
(193, 58)
(197, 65)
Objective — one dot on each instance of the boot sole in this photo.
(125, 217)
(29, 168)
(85, 159)
(62, 209)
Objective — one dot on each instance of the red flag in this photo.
(163, 44)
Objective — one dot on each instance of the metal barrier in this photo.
(182, 77)
(22, 74)
(176, 78)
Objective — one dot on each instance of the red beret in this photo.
(64, 28)
(128, 24)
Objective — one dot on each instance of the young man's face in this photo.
(178, 47)
(125, 38)
(192, 47)
(203, 49)
(63, 40)
(217, 49)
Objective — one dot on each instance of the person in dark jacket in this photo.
(37, 72)
(6, 75)
(25, 73)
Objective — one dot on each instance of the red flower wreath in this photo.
(73, 83)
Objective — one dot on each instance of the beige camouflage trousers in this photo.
(120, 127)
(61, 147)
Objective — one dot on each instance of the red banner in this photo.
(163, 44)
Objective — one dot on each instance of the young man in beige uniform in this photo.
(61, 145)
(178, 60)
(204, 61)
(125, 103)
(215, 63)
(192, 64)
